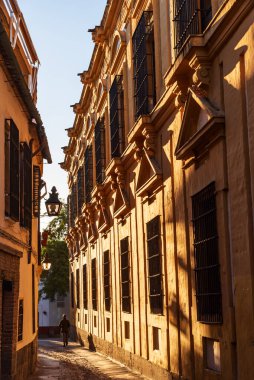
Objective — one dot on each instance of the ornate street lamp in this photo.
(53, 204)
(46, 264)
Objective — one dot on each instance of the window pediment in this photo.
(202, 123)
(149, 174)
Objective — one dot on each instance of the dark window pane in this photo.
(117, 117)
(207, 271)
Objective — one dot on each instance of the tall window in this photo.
(117, 117)
(72, 290)
(106, 265)
(207, 270)
(77, 288)
(81, 190)
(190, 17)
(33, 298)
(125, 275)
(144, 65)
(25, 185)
(11, 170)
(88, 172)
(73, 204)
(20, 320)
(94, 285)
(84, 287)
(154, 265)
(100, 153)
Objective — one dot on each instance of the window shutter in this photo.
(11, 170)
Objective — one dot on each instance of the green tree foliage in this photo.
(56, 280)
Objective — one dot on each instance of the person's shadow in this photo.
(91, 343)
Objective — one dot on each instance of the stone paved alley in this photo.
(76, 362)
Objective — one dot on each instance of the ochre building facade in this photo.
(160, 171)
(23, 145)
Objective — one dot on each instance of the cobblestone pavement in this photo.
(76, 362)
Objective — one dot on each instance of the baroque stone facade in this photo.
(160, 171)
(23, 145)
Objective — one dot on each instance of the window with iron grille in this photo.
(33, 298)
(36, 190)
(100, 155)
(207, 270)
(72, 290)
(25, 186)
(144, 65)
(88, 172)
(125, 275)
(11, 170)
(69, 211)
(94, 285)
(84, 287)
(117, 116)
(154, 265)
(73, 207)
(106, 265)
(77, 288)
(81, 189)
(190, 17)
(20, 320)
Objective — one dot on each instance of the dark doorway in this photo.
(7, 329)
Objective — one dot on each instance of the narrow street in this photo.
(76, 362)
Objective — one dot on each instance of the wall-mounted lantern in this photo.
(53, 205)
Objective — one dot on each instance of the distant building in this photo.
(23, 145)
(50, 314)
(160, 171)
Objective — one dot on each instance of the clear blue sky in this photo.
(59, 31)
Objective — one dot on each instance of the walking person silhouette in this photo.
(64, 329)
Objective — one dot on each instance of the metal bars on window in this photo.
(100, 156)
(26, 219)
(144, 65)
(125, 274)
(36, 190)
(88, 172)
(117, 116)
(72, 290)
(77, 288)
(11, 170)
(81, 189)
(207, 270)
(190, 17)
(154, 265)
(73, 204)
(84, 287)
(94, 285)
(20, 320)
(106, 275)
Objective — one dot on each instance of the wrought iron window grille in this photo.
(100, 153)
(207, 269)
(190, 17)
(94, 285)
(144, 65)
(77, 288)
(106, 265)
(85, 287)
(125, 275)
(81, 189)
(88, 172)
(154, 266)
(116, 95)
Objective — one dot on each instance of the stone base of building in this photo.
(26, 360)
(132, 361)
